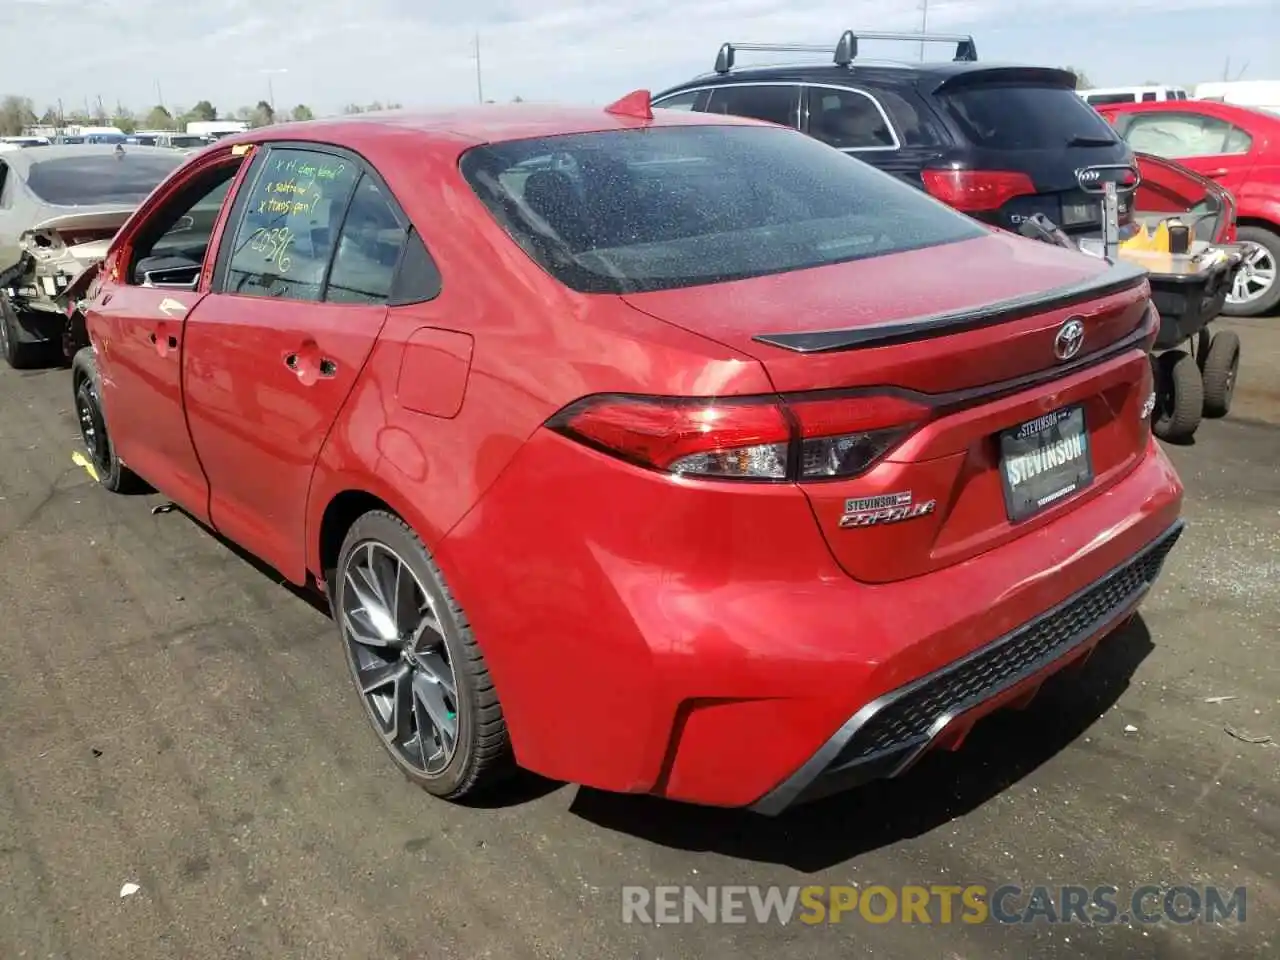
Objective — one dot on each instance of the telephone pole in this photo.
(924, 24)
(479, 77)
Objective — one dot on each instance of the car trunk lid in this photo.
(979, 352)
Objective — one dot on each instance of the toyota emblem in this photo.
(1069, 340)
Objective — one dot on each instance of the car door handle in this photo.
(1220, 172)
(327, 367)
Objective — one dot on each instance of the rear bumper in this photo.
(887, 736)
(698, 641)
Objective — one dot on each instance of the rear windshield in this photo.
(99, 178)
(630, 211)
(1021, 117)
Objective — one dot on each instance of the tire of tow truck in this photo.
(18, 353)
(1264, 304)
(1221, 367)
(1179, 397)
(110, 470)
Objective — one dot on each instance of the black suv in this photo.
(999, 142)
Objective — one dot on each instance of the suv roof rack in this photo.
(847, 48)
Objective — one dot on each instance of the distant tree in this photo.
(245, 114)
(353, 108)
(263, 115)
(158, 118)
(50, 117)
(517, 99)
(302, 112)
(16, 114)
(1082, 78)
(78, 117)
(203, 110)
(124, 119)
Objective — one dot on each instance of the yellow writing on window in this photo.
(274, 245)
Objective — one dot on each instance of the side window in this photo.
(287, 230)
(6, 188)
(681, 101)
(912, 120)
(848, 120)
(1184, 135)
(173, 248)
(777, 103)
(369, 248)
(1149, 97)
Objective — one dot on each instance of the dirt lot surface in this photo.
(172, 717)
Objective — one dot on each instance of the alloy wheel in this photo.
(396, 645)
(1256, 276)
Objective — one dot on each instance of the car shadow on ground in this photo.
(1001, 750)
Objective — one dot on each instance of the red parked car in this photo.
(1240, 149)
(680, 455)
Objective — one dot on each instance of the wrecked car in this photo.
(59, 208)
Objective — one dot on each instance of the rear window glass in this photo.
(100, 178)
(630, 211)
(1007, 117)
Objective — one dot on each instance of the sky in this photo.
(327, 53)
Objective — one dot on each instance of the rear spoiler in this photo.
(1032, 76)
(1117, 278)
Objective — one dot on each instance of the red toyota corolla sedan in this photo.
(680, 455)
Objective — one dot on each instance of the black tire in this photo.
(19, 353)
(1179, 397)
(87, 387)
(1221, 368)
(481, 756)
(1265, 304)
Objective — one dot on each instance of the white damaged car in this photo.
(59, 208)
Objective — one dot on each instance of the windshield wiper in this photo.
(1083, 140)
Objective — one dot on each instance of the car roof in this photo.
(1214, 108)
(470, 126)
(27, 156)
(874, 71)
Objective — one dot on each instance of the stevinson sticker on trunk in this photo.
(887, 508)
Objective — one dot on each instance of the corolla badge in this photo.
(887, 508)
(1069, 339)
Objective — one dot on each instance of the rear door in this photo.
(1025, 134)
(1209, 145)
(300, 296)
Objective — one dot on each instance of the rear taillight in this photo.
(819, 437)
(972, 191)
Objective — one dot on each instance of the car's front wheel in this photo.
(1256, 289)
(420, 677)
